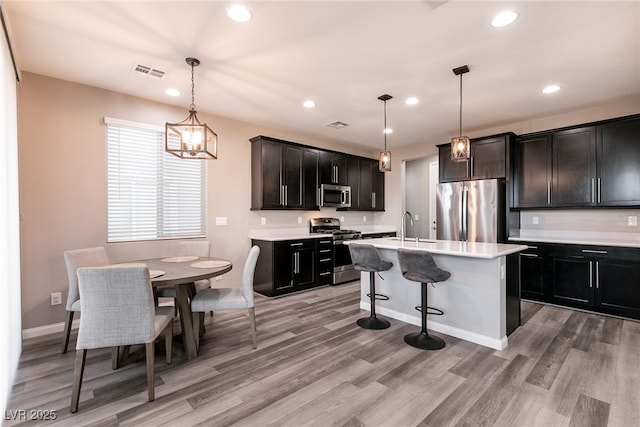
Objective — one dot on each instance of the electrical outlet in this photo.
(56, 298)
(364, 218)
(416, 217)
(299, 220)
(535, 220)
(632, 221)
(342, 219)
(263, 220)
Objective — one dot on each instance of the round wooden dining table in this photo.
(181, 272)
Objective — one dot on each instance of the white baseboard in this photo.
(494, 343)
(55, 328)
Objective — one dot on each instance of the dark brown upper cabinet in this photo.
(489, 159)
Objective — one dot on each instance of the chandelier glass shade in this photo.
(460, 145)
(191, 139)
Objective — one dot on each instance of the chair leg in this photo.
(150, 350)
(372, 322)
(423, 340)
(115, 358)
(252, 320)
(81, 357)
(168, 342)
(68, 321)
(196, 328)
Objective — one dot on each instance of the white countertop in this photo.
(446, 247)
(631, 240)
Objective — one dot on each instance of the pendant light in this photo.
(191, 139)
(460, 145)
(385, 156)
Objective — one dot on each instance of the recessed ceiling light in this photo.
(412, 100)
(239, 13)
(504, 18)
(308, 104)
(551, 89)
(172, 92)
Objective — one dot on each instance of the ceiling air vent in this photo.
(148, 71)
(337, 124)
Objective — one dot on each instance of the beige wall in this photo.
(62, 170)
(63, 181)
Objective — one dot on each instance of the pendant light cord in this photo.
(193, 86)
(384, 131)
(460, 105)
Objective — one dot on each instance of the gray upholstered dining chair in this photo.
(118, 310)
(214, 299)
(199, 248)
(90, 257)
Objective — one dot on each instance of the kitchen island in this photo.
(475, 299)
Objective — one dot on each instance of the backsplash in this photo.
(300, 219)
(611, 223)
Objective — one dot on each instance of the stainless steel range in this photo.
(343, 270)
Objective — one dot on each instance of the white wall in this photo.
(10, 325)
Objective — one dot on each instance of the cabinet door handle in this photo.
(282, 195)
(599, 194)
(470, 167)
(591, 274)
(286, 195)
(373, 200)
(533, 247)
(296, 263)
(597, 275)
(529, 255)
(593, 251)
(548, 192)
(318, 197)
(593, 190)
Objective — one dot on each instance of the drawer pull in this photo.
(593, 251)
(325, 273)
(296, 244)
(530, 255)
(326, 242)
(325, 260)
(324, 251)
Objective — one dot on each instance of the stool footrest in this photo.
(430, 310)
(380, 297)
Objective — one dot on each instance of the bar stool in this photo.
(366, 258)
(419, 266)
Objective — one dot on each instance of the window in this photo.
(151, 194)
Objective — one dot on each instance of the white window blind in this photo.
(151, 194)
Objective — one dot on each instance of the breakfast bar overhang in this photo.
(474, 299)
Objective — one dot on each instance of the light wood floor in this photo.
(315, 367)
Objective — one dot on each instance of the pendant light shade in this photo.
(460, 145)
(385, 156)
(191, 139)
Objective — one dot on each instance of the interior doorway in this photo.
(421, 177)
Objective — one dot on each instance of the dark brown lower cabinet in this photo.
(600, 279)
(286, 266)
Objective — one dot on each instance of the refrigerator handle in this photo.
(463, 217)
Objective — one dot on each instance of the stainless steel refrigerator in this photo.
(472, 211)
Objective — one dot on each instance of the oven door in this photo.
(343, 270)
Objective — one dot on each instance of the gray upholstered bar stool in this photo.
(366, 258)
(419, 266)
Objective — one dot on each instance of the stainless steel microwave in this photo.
(338, 196)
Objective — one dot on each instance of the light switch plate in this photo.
(632, 221)
(263, 220)
(416, 217)
(221, 220)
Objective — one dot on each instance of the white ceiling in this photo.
(343, 55)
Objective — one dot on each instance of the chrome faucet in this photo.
(403, 225)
